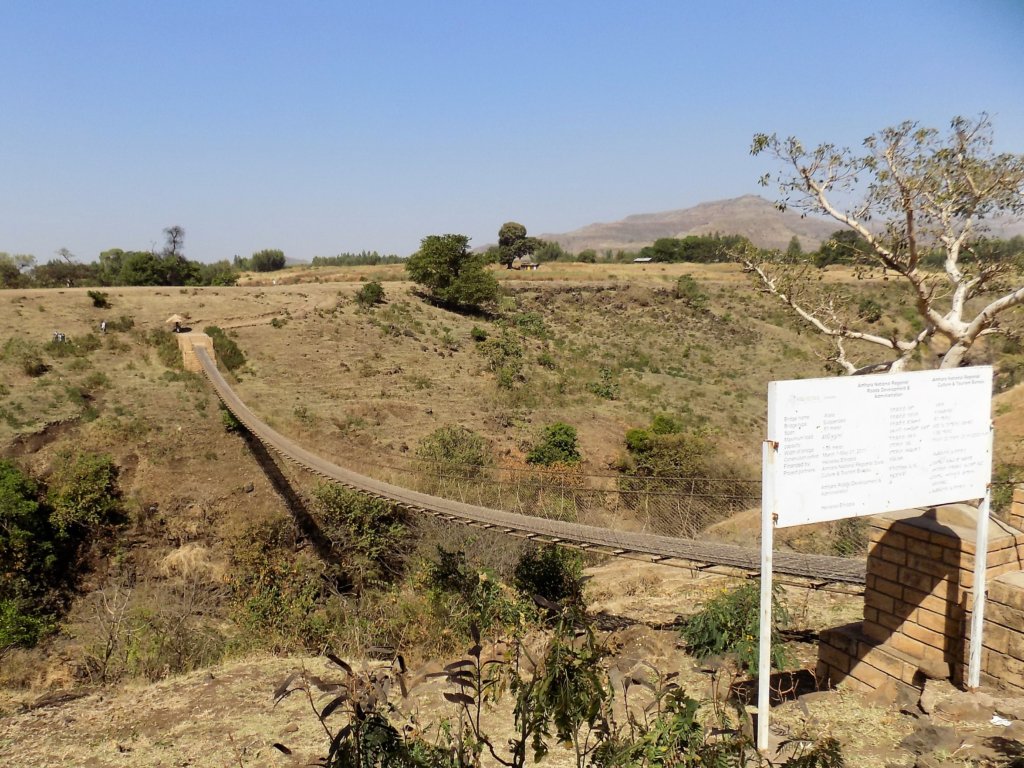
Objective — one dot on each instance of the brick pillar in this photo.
(1016, 514)
(187, 342)
(920, 576)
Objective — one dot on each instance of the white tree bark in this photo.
(930, 192)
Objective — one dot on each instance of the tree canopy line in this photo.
(912, 203)
(167, 266)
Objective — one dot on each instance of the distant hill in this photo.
(751, 216)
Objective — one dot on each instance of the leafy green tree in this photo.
(700, 249)
(844, 246)
(26, 554)
(58, 272)
(12, 270)
(794, 250)
(139, 268)
(452, 274)
(513, 243)
(549, 250)
(587, 256)
(174, 268)
(219, 273)
(267, 260)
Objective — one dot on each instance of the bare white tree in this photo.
(911, 192)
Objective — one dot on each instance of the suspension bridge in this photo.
(816, 571)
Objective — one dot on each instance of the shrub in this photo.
(869, 310)
(38, 560)
(228, 353)
(504, 355)
(469, 596)
(280, 595)
(688, 291)
(664, 450)
(100, 300)
(123, 324)
(606, 386)
(552, 572)
(25, 355)
(455, 450)
(370, 295)
(729, 624)
(83, 493)
(230, 422)
(532, 324)
(166, 346)
(367, 534)
(478, 334)
(557, 445)
(20, 626)
(79, 347)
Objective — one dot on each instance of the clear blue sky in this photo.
(324, 127)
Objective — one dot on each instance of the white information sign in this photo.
(863, 445)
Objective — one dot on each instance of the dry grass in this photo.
(363, 388)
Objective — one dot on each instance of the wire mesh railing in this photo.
(684, 507)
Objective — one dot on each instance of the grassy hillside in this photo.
(205, 561)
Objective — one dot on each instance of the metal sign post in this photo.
(769, 451)
(980, 564)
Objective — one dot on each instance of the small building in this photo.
(642, 260)
(525, 262)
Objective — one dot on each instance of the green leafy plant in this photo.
(368, 535)
(552, 572)
(25, 355)
(100, 300)
(230, 421)
(451, 273)
(367, 739)
(606, 387)
(370, 295)
(557, 445)
(561, 690)
(504, 355)
(228, 353)
(688, 291)
(166, 346)
(122, 324)
(83, 493)
(454, 451)
(728, 624)
(469, 596)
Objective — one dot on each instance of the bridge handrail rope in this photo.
(821, 570)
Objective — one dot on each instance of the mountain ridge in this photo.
(749, 215)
